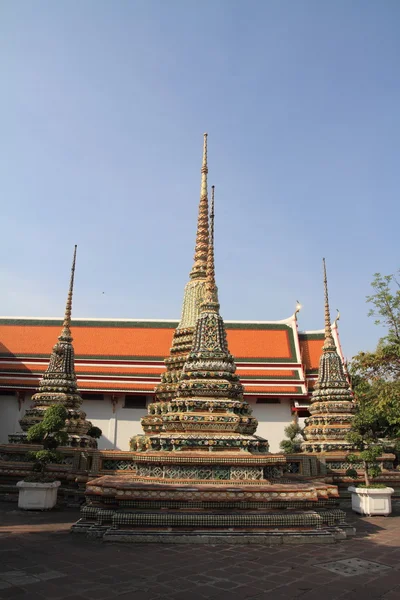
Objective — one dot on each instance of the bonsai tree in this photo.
(365, 431)
(368, 458)
(293, 444)
(95, 432)
(50, 432)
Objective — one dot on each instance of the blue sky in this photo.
(102, 113)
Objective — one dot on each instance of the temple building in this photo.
(121, 372)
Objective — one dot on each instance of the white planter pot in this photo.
(371, 501)
(37, 496)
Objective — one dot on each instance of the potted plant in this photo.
(368, 498)
(39, 492)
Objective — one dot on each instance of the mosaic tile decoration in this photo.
(181, 519)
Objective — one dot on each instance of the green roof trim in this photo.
(134, 324)
(286, 361)
(305, 337)
(137, 375)
(95, 323)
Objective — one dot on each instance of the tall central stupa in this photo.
(192, 300)
(208, 410)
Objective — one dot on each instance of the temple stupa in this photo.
(332, 404)
(59, 386)
(202, 472)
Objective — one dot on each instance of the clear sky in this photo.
(103, 108)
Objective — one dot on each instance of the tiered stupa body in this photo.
(193, 298)
(59, 386)
(209, 411)
(332, 406)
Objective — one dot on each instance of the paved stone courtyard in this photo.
(39, 559)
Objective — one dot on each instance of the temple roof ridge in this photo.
(140, 320)
(311, 331)
(286, 321)
(112, 319)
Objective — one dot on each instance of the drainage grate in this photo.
(349, 567)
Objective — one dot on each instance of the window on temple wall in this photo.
(268, 401)
(303, 413)
(135, 401)
(90, 396)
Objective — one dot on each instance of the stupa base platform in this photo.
(122, 508)
(266, 538)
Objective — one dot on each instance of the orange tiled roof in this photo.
(311, 348)
(128, 355)
(132, 339)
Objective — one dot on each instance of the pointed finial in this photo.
(334, 324)
(297, 309)
(201, 249)
(329, 344)
(211, 288)
(66, 332)
(204, 167)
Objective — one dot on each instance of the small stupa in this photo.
(332, 404)
(59, 385)
(192, 300)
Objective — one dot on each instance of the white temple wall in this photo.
(301, 422)
(119, 424)
(272, 420)
(100, 413)
(10, 415)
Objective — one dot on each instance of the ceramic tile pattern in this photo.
(40, 560)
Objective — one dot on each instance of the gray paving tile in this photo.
(349, 567)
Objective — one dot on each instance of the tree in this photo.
(376, 375)
(293, 443)
(95, 432)
(50, 432)
(364, 437)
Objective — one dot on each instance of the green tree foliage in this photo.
(376, 375)
(95, 432)
(364, 436)
(50, 432)
(294, 439)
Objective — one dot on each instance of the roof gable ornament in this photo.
(297, 309)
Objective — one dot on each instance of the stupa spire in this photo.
(201, 248)
(66, 330)
(211, 288)
(329, 343)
